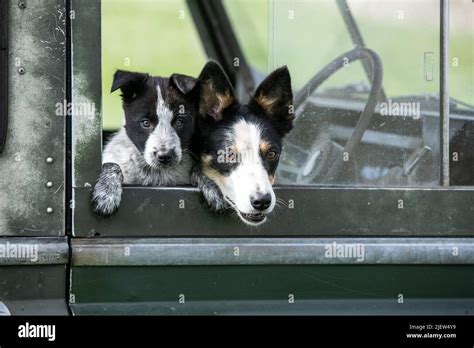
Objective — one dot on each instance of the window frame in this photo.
(3, 73)
(445, 211)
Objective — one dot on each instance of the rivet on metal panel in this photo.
(49, 160)
(49, 184)
(49, 210)
(22, 5)
(21, 71)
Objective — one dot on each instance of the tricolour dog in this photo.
(152, 148)
(239, 146)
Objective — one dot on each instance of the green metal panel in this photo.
(259, 275)
(302, 307)
(33, 275)
(310, 211)
(33, 251)
(317, 289)
(270, 251)
(34, 290)
(35, 131)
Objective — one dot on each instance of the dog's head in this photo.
(241, 144)
(158, 114)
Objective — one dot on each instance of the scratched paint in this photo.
(36, 43)
(86, 90)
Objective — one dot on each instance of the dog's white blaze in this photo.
(164, 137)
(250, 176)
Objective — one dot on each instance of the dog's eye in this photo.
(179, 123)
(272, 155)
(145, 123)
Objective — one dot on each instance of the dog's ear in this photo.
(275, 98)
(183, 83)
(130, 83)
(216, 92)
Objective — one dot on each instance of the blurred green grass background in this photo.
(159, 37)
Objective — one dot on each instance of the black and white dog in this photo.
(238, 146)
(152, 149)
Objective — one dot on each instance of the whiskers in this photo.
(234, 211)
(153, 166)
(231, 203)
(281, 202)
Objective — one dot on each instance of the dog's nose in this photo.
(164, 157)
(261, 201)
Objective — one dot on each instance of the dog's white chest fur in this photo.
(121, 150)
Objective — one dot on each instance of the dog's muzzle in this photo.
(165, 157)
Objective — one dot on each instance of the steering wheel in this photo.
(364, 120)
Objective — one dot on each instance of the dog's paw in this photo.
(107, 193)
(210, 191)
(213, 197)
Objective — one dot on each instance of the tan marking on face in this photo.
(206, 159)
(224, 101)
(213, 174)
(233, 148)
(266, 103)
(272, 179)
(213, 100)
(265, 146)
